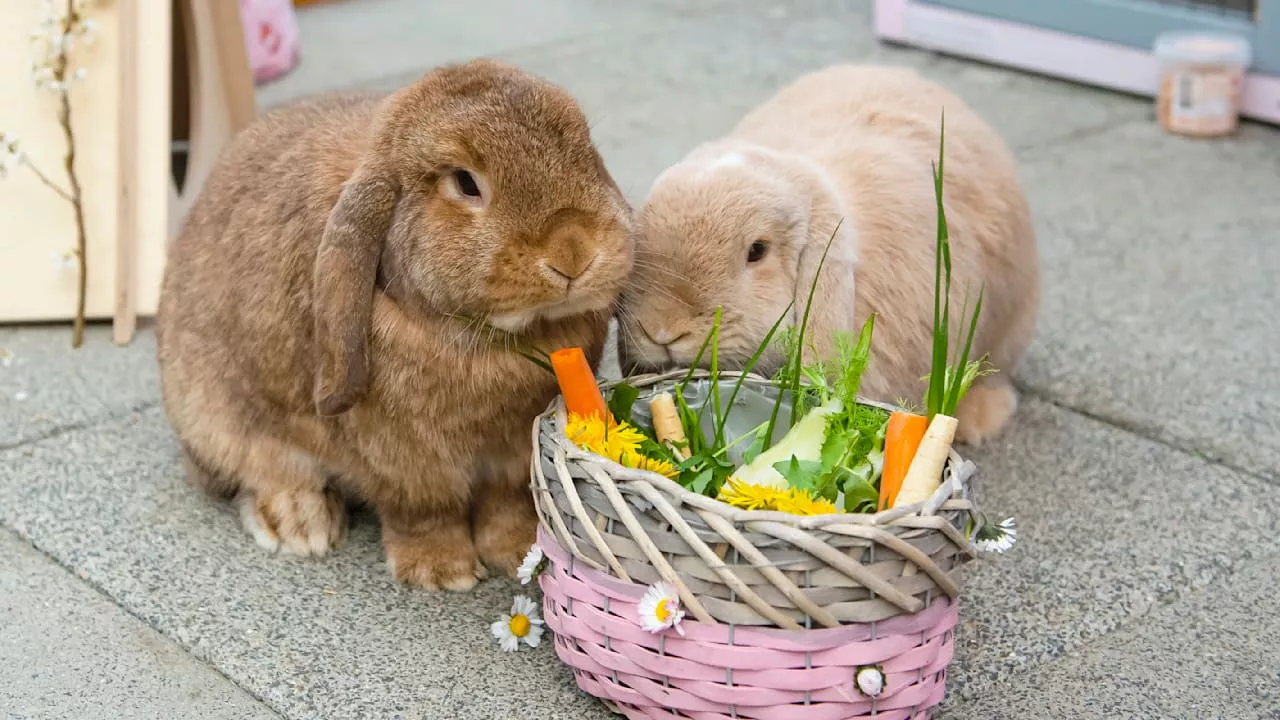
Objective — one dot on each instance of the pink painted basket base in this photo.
(718, 671)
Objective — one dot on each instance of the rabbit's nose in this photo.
(569, 252)
(571, 267)
(662, 336)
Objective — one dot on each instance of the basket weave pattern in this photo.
(722, 671)
(782, 609)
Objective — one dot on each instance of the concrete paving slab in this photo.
(45, 385)
(1149, 268)
(345, 43)
(66, 651)
(336, 638)
(1160, 260)
(1211, 655)
(333, 639)
(653, 96)
(1110, 527)
(653, 92)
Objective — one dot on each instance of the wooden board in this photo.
(125, 185)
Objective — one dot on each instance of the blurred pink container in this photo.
(270, 36)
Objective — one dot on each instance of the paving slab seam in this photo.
(82, 425)
(1147, 432)
(1031, 149)
(16, 532)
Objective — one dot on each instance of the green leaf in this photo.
(702, 481)
(621, 401)
(837, 444)
(853, 363)
(860, 494)
(801, 474)
(757, 446)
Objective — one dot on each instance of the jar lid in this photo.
(1204, 47)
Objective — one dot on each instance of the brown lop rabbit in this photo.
(345, 310)
(742, 223)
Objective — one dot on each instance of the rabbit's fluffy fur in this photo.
(342, 312)
(847, 147)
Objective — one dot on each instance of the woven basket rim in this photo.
(705, 528)
(956, 473)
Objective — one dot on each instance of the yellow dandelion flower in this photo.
(800, 502)
(619, 442)
(750, 497)
(643, 462)
(585, 432)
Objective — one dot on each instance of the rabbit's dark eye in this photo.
(466, 183)
(757, 251)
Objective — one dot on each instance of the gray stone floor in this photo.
(1142, 466)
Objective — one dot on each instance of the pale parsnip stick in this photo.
(925, 474)
(666, 423)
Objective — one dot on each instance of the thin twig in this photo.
(76, 196)
(45, 179)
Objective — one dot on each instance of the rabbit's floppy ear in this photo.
(343, 278)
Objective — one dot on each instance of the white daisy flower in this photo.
(660, 608)
(10, 154)
(532, 565)
(996, 538)
(64, 260)
(871, 680)
(522, 623)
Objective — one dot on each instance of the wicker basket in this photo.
(784, 610)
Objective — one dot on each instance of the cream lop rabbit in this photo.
(342, 310)
(742, 222)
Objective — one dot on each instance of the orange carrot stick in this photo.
(578, 383)
(901, 440)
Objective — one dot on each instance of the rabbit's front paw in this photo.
(504, 533)
(299, 522)
(434, 556)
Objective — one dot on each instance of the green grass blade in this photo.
(754, 359)
(544, 364)
(716, 426)
(798, 361)
(937, 371)
(698, 358)
(957, 389)
(936, 394)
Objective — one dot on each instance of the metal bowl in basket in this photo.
(784, 611)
